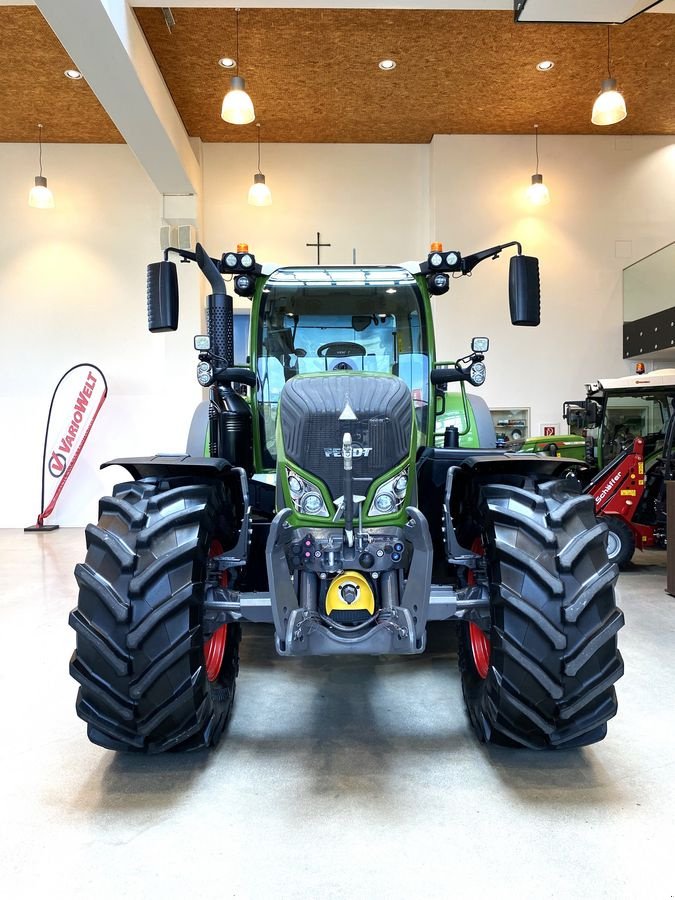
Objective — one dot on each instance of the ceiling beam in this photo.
(107, 45)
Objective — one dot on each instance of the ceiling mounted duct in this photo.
(591, 12)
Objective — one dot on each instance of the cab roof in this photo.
(657, 378)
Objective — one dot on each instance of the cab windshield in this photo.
(627, 416)
(350, 319)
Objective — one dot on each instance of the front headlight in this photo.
(306, 497)
(477, 374)
(390, 495)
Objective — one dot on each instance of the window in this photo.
(628, 416)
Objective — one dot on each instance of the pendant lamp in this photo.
(609, 107)
(40, 196)
(259, 194)
(237, 105)
(537, 192)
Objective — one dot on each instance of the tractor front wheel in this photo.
(150, 678)
(542, 674)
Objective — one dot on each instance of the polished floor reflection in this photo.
(337, 777)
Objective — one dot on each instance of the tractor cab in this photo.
(313, 321)
(627, 415)
(629, 407)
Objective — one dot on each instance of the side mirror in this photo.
(480, 344)
(591, 413)
(162, 296)
(524, 293)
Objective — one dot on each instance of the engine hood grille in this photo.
(312, 431)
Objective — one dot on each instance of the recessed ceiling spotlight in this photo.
(545, 65)
(73, 74)
(387, 64)
(227, 63)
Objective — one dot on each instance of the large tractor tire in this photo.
(542, 676)
(620, 541)
(150, 679)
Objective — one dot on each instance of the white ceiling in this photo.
(583, 10)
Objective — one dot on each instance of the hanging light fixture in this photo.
(537, 191)
(237, 105)
(40, 196)
(259, 194)
(609, 107)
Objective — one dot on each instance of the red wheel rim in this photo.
(480, 642)
(214, 652)
(480, 649)
(214, 647)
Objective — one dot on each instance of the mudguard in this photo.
(168, 465)
(517, 463)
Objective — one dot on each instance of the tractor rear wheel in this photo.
(620, 541)
(542, 676)
(150, 678)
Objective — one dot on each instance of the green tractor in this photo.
(338, 490)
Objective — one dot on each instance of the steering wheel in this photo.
(340, 349)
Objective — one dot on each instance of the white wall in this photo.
(373, 197)
(72, 288)
(612, 202)
(72, 280)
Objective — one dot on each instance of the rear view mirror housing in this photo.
(524, 290)
(162, 289)
(591, 413)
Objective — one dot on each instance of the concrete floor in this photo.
(349, 778)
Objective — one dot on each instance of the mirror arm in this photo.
(186, 255)
(470, 262)
(207, 264)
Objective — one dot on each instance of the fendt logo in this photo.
(608, 487)
(357, 452)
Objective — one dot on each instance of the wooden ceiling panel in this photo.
(313, 75)
(34, 89)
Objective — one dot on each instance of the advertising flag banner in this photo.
(76, 402)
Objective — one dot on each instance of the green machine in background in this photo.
(344, 498)
(572, 446)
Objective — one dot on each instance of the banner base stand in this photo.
(41, 528)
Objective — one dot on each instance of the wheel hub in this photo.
(613, 545)
(214, 652)
(480, 649)
(480, 642)
(214, 647)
